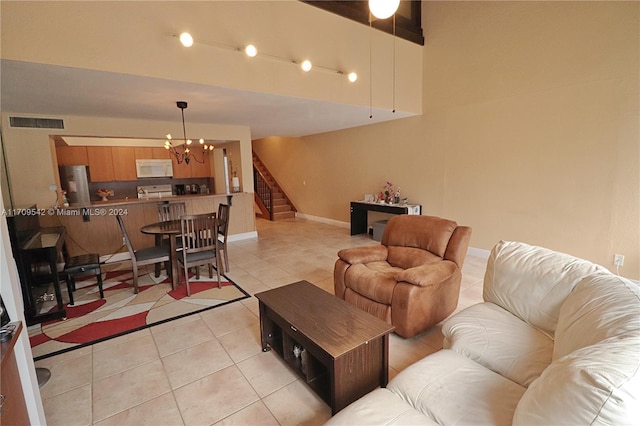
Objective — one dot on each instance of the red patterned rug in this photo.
(91, 319)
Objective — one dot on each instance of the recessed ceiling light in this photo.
(306, 65)
(352, 77)
(251, 50)
(186, 39)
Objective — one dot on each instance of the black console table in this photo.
(37, 252)
(359, 210)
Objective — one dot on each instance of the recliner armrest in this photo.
(426, 275)
(364, 254)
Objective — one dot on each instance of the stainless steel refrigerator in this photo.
(74, 180)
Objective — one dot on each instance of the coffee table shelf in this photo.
(345, 351)
(314, 372)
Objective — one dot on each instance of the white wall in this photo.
(12, 298)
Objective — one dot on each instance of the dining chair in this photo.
(200, 244)
(223, 230)
(169, 211)
(144, 256)
(80, 266)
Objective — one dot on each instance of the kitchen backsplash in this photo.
(128, 189)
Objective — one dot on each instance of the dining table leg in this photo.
(173, 259)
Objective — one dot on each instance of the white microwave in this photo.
(154, 168)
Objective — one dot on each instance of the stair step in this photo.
(284, 215)
(281, 208)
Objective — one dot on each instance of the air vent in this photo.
(36, 123)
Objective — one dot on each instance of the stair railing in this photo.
(264, 191)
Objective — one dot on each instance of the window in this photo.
(408, 16)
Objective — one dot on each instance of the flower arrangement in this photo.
(390, 195)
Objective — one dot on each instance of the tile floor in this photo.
(208, 369)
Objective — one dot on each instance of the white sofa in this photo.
(555, 342)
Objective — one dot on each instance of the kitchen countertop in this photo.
(123, 201)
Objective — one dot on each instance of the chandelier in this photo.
(184, 154)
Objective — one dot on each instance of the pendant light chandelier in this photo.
(383, 9)
(185, 155)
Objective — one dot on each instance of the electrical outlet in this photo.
(618, 259)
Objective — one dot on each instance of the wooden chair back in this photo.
(171, 211)
(199, 233)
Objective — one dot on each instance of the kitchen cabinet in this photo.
(100, 164)
(148, 152)
(180, 170)
(161, 153)
(143, 152)
(124, 162)
(194, 169)
(201, 169)
(72, 155)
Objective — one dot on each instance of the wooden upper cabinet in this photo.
(148, 152)
(194, 169)
(161, 153)
(124, 162)
(100, 163)
(143, 152)
(72, 155)
(199, 170)
(180, 170)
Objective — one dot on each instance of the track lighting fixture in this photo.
(252, 51)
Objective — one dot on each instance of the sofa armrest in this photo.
(364, 254)
(430, 274)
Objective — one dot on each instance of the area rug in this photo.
(91, 319)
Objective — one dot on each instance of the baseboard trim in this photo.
(324, 220)
(243, 236)
(477, 252)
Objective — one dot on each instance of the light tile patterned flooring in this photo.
(208, 368)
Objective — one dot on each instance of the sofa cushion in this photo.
(532, 282)
(380, 407)
(600, 306)
(374, 280)
(500, 341)
(452, 389)
(424, 232)
(597, 384)
(408, 257)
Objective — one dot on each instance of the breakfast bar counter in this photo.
(172, 199)
(93, 228)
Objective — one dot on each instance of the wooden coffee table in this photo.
(340, 351)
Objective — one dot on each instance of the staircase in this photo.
(270, 198)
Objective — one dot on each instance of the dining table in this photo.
(172, 228)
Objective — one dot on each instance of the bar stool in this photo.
(80, 266)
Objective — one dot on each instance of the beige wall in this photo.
(529, 131)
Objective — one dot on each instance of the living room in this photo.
(526, 127)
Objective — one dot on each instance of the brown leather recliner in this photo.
(412, 279)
